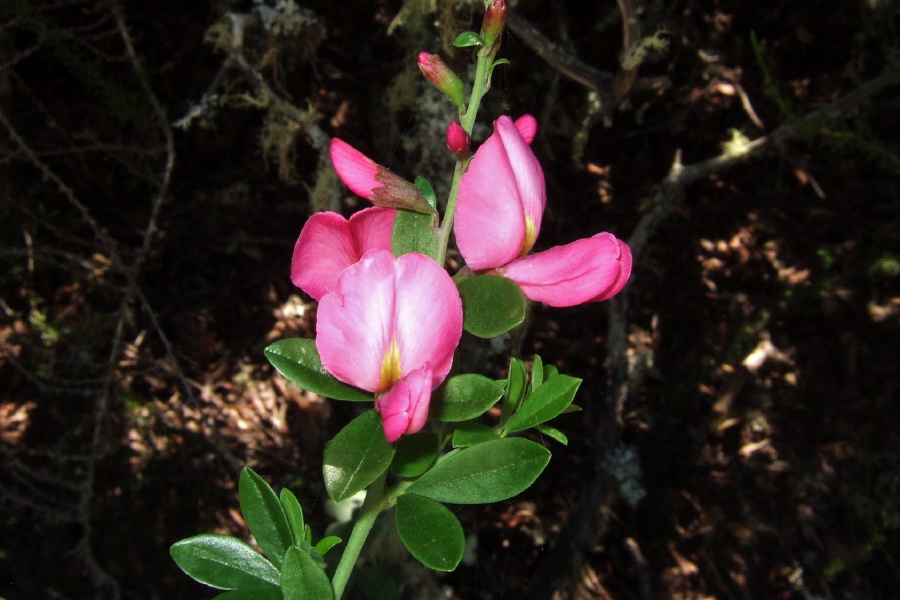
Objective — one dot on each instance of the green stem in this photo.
(480, 87)
(371, 508)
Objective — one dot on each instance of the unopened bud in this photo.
(494, 21)
(457, 139)
(439, 74)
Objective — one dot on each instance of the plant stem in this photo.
(480, 87)
(370, 510)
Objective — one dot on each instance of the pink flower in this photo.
(390, 327)
(377, 184)
(498, 218)
(329, 243)
(501, 200)
(587, 270)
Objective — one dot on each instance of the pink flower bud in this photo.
(494, 21)
(457, 139)
(439, 74)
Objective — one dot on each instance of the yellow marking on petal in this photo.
(390, 366)
(530, 236)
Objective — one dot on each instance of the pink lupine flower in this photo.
(390, 327)
(501, 200)
(329, 243)
(498, 218)
(587, 270)
(379, 185)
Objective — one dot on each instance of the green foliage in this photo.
(430, 532)
(357, 456)
(492, 305)
(298, 360)
(488, 472)
(465, 397)
(294, 569)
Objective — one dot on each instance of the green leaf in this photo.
(294, 513)
(515, 389)
(550, 400)
(488, 472)
(467, 39)
(326, 544)
(413, 232)
(252, 593)
(464, 397)
(298, 360)
(303, 579)
(264, 516)
(492, 305)
(550, 371)
(430, 532)
(415, 453)
(553, 432)
(472, 433)
(425, 187)
(498, 62)
(356, 456)
(537, 373)
(224, 562)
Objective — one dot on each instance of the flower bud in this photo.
(439, 74)
(457, 139)
(494, 21)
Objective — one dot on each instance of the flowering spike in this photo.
(379, 185)
(439, 74)
(457, 140)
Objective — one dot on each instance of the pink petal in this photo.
(354, 168)
(502, 190)
(404, 409)
(324, 249)
(371, 229)
(586, 270)
(527, 126)
(624, 273)
(354, 325)
(389, 317)
(428, 316)
(328, 244)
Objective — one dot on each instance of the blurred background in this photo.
(739, 437)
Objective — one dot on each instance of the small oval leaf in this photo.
(547, 402)
(303, 579)
(356, 456)
(467, 39)
(430, 532)
(492, 305)
(264, 516)
(294, 513)
(488, 472)
(298, 360)
(464, 397)
(415, 453)
(413, 232)
(472, 433)
(224, 562)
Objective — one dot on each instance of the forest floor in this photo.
(144, 267)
